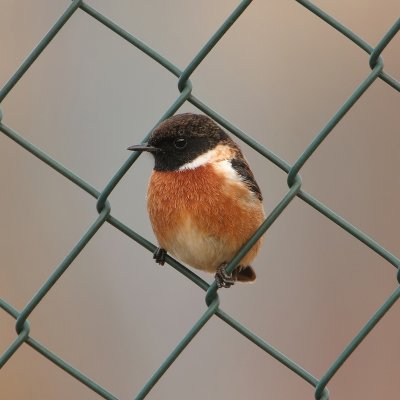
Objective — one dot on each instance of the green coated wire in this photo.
(215, 38)
(355, 342)
(357, 40)
(178, 349)
(19, 340)
(293, 179)
(53, 357)
(344, 109)
(38, 49)
(61, 269)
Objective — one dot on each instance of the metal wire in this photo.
(293, 180)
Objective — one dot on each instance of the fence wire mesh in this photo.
(293, 180)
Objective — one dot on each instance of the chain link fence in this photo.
(294, 190)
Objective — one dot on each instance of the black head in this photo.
(180, 139)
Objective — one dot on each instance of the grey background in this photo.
(279, 74)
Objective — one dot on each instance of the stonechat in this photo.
(203, 200)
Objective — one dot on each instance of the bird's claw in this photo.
(159, 255)
(222, 278)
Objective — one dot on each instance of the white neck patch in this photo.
(219, 153)
(202, 159)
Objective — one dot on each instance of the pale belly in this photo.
(198, 249)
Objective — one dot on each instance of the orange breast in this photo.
(201, 218)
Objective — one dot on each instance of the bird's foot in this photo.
(159, 255)
(222, 278)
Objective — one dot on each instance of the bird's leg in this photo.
(222, 278)
(159, 255)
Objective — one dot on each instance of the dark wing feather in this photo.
(240, 165)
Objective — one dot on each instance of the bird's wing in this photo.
(240, 165)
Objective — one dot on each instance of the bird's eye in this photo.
(180, 143)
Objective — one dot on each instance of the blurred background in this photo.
(279, 74)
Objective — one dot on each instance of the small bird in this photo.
(202, 198)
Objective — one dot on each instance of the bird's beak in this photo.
(143, 147)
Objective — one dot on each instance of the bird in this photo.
(202, 198)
